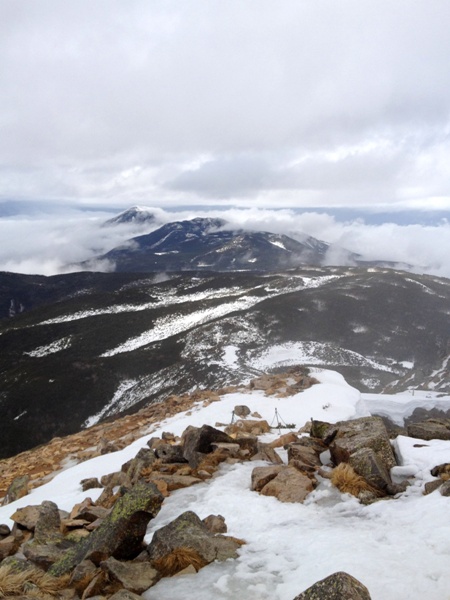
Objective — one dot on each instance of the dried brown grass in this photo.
(177, 560)
(31, 582)
(345, 478)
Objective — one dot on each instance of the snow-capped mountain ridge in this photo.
(82, 336)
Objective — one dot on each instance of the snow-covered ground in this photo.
(399, 548)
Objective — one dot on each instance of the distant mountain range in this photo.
(212, 244)
(80, 348)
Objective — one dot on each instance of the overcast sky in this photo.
(292, 103)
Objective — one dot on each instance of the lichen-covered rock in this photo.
(367, 464)
(18, 489)
(339, 586)
(366, 432)
(48, 524)
(187, 540)
(120, 535)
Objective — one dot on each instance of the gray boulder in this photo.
(366, 432)
(197, 442)
(339, 586)
(121, 533)
(134, 576)
(187, 540)
(431, 429)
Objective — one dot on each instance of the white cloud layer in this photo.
(263, 103)
(50, 245)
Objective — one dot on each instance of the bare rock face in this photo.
(187, 540)
(48, 525)
(431, 429)
(198, 441)
(366, 432)
(338, 586)
(121, 533)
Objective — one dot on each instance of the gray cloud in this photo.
(287, 103)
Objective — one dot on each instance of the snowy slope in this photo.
(399, 548)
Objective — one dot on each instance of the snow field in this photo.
(398, 548)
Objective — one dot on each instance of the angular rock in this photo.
(26, 517)
(289, 486)
(366, 432)
(431, 429)
(284, 440)
(105, 446)
(170, 453)
(432, 486)
(45, 555)
(198, 441)
(134, 576)
(262, 475)
(323, 431)
(82, 575)
(304, 458)
(174, 482)
(134, 468)
(248, 444)
(185, 541)
(445, 488)
(215, 524)
(367, 464)
(339, 586)
(120, 535)
(90, 483)
(8, 546)
(440, 470)
(17, 489)
(48, 525)
(265, 452)
(248, 426)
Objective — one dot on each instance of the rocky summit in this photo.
(133, 519)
